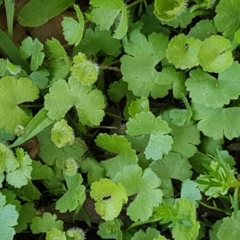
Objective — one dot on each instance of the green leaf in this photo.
(118, 145)
(93, 169)
(109, 197)
(183, 20)
(183, 51)
(35, 13)
(75, 195)
(146, 192)
(106, 13)
(217, 92)
(83, 70)
(110, 229)
(181, 117)
(62, 134)
(62, 96)
(146, 123)
(45, 223)
(185, 138)
(40, 78)
(219, 58)
(226, 126)
(170, 78)
(168, 168)
(151, 233)
(203, 29)
(8, 161)
(22, 174)
(166, 11)
(139, 64)
(229, 227)
(26, 214)
(73, 30)
(8, 219)
(96, 40)
(41, 171)
(117, 90)
(58, 62)
(32, 48)
(13, 92)
(186, 227)
(190, 191)
(28, 193)
(138, 106)
(49, 153)
(151, 23)
(223, 23)
(217, 178)
(55, 234)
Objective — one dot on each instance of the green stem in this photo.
(213, 208)
(106, 127)
(115, 116)
(139, 223)
(135, 3)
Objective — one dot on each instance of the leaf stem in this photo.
(135, 3)
(213, 208)
(115, 116)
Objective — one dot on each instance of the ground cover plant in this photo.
(125, 124)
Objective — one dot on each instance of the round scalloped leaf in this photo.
(215, 54)
(168, 10)
(182, 51)
(84, 70)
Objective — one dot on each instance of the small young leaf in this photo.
(73, 30)
(168, 11)
(110, 229)
(62, 134)
(45, 223)
(32, 48)
(85, 71)
(22, 174)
